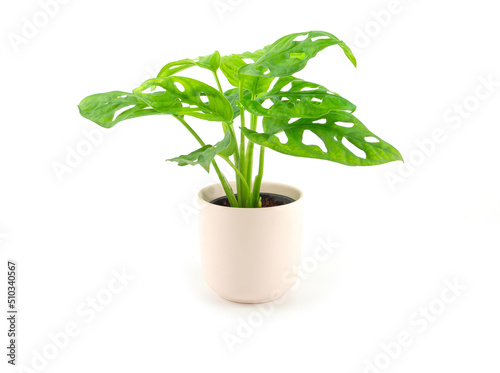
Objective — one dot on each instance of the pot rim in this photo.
(201, 196)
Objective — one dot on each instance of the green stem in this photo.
(258, 180)
(230, 125)
(239, 176)
(238, 173)
(250, 147)
(225, 184)
(218, 81)
(242, 197)
(233, 135)
(236, 151)
(192, 131)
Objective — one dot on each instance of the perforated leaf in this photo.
(107, 109)
(337, 131)
(210, 62)
(302, 100)
(230, 65)
(185, 96)
(205, 155)
(291, 53)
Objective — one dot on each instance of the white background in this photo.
(420, 64)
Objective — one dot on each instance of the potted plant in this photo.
(250, 230)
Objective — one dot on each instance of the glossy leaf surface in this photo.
(205, 155)
(335, 131)
(185, 96)
(108, 109)
(301, 100)
(210, 62)
(291, 53)
(230, 65)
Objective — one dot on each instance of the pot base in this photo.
(250, 301)
(253, 301)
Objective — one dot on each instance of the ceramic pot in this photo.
(250, 255)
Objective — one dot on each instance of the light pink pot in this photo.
(250, 255)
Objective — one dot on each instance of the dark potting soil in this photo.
(268, 200)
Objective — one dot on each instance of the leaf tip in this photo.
(398, 156)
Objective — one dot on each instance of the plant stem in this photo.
(238, 173)
(229, 125)
(225, 184)
(242, 197)
(250, 147)
(192, 131)
(258, 180)
(236, 152)
(218, 81)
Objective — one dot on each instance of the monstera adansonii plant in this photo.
(277, 103)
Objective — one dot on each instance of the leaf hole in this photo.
(204, 98)
(353, 148)
(320, 121)
(319, 38)
(119, 111)
(154, 89)
(247, 60)
(344, 124)
(310, 138)
(306, 89)
(179, 86)
(267, 104)
(293, 120)
(271, 87)
(301, 37)
(287, 87)
(315, 99)
(282, 137)
(371, 139)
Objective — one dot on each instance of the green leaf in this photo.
(302, 100)
(205, 155)
(175, 67)
(107, 109)
(210, 62)
(185, 96)
(338, 131)
(287, 55)
(230, 65)
(233, 96)
(233, 145)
